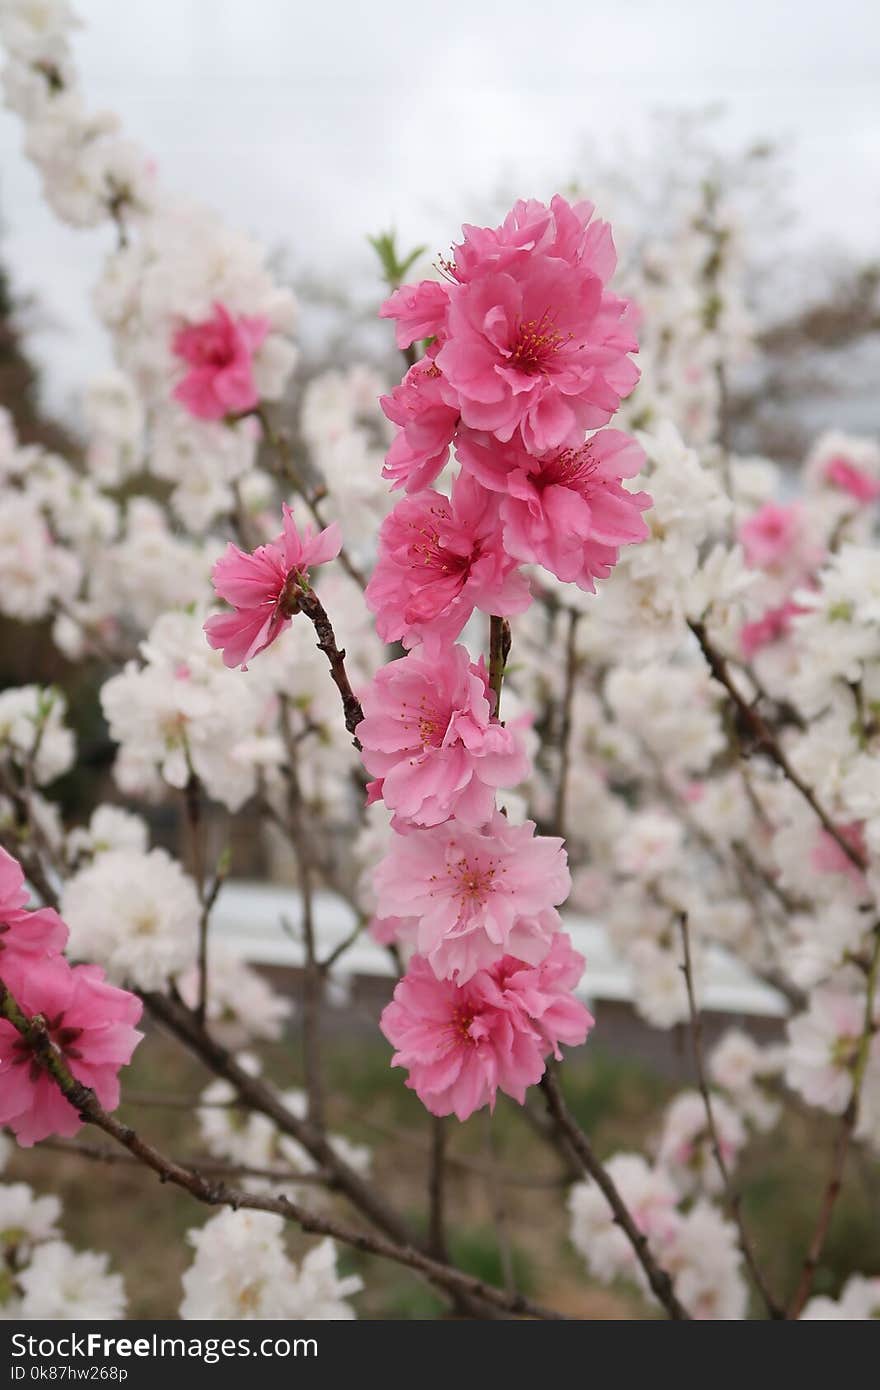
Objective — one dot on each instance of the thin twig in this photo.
(198, 1163)
(437, 1191)
(768, 743)
(848, 1123)
(732, 1197)
(658, 1279)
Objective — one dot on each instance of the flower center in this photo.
(572, 468)
(430, 551)
(461, 1025)
(475, 881)
(536, 344)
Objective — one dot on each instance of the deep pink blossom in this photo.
(527, 337)
(426, 427)
(478, 894)
(257, 587)
(91, 1023)
(439, 559)
(565, 510)
(219, 355)
(847, 476)
(26, 935)
(463, 1043)
(428, 733)
(774, 538)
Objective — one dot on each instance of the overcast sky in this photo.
(314, 124)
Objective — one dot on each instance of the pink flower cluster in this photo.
(90, 1022)
(526, 350)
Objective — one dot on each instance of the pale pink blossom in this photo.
(439, 559)
(219, 355)
(478, 894)
(823, 1044)
(429, 735)
(426, 428)
(463, 1043)
(565, 510)
(827, 857)
(858, 482)
(262, 587)
(90, 1022)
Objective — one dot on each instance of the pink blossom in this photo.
(849, 478)
(771, 627)
(773, 538)
(477, 893)
(827, 857)
(565, 510)
(26, 935)
(219, 354)
(259, 588)
(439, 559)
(428, 733)
(463, 1043)
(427, 425)
(532, 340)
(420, 311)
(90, 1022)
(388, 931)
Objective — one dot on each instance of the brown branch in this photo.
(768, 743)
(437, 1191)
(499, 651)
(217, 1193)
(658, 1278)
(193, 801)
(305, 600)
(848, 1123)
(732, 1197)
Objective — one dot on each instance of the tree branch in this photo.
(731, 1195)
(769, 744)
(658, 1278)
